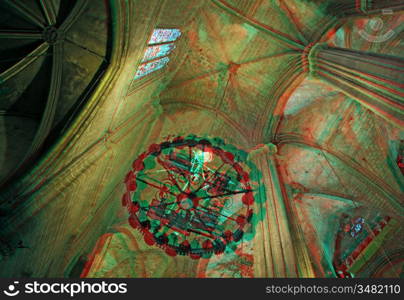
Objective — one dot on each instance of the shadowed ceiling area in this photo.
(266, 141)
(50, 62)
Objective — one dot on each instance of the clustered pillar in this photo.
(375, 81)
(365, 7)
(276, 250)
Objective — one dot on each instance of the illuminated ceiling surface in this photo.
(250, 139)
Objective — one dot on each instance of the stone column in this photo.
(364, 7)
(277, 251)
(376, 81)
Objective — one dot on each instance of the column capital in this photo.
(309, 57)
(262, 149)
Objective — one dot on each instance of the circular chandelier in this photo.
(190, 196)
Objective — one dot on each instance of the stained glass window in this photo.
(152, 66)
(157, 51)
(155, 57)
(164, 36)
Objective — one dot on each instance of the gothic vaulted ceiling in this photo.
(49, 63)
